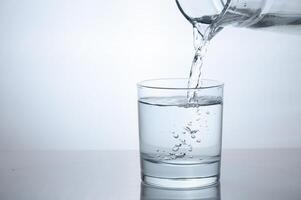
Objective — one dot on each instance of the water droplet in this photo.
(175, 148)
(198, 141)
(183, 132)
(190, 156)
(192, 136)
(189, 123)
(208, 113)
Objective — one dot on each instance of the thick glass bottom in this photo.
(180, 183)
(181, 174)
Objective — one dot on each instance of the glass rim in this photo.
(143, 84)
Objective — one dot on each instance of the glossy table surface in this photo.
(246, 175)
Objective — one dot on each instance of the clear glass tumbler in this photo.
(180, 139)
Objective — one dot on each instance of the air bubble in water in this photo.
(190, 156)
(175, 135)
(189, 148)
(172, 156)
(180, 155)
(175, 148)
(187, 129)
(183, 141)
(198, 141)
(192, 136)
(178, 145)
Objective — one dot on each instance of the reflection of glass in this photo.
(155, 193)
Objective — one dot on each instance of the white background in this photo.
(68, 71)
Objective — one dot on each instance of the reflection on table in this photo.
(155, 193)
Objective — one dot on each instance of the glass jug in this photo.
(281, 15)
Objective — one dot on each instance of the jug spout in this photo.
(201, 11)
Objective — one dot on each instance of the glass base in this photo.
(180, 183)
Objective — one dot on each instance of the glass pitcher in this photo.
(281, 15)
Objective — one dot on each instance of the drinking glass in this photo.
(180, 138)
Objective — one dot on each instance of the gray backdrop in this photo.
(68, 71)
